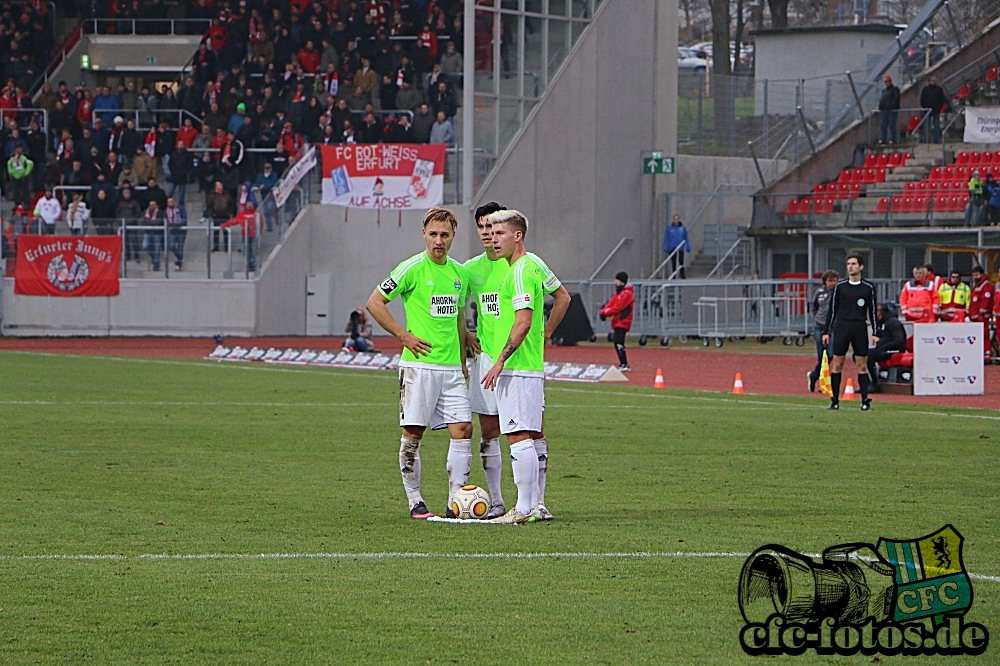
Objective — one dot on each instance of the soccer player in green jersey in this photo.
(486, 274)
(518, 375)
(432, 370)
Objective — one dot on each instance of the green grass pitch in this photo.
(132, 457)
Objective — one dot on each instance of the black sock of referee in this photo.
(835, 385)
(864, 381)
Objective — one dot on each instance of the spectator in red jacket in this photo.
(981, 304)
(619, 308)
(247, 221)
(309, 58)
(217, 35)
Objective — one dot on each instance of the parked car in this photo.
(688, 62)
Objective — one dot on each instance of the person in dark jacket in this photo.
(891, 340)
(620, 309)
(181, 168)
(820, 308)
(933, 99)
(102, 213)
(888, 105)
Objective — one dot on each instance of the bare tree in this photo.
(724, 109)
(738, 36)
(779, 13)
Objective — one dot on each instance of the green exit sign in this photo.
(656, 164)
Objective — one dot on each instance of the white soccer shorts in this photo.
(520, 403)
(484, 401)
(433, 397)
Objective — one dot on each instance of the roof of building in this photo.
(866, 27)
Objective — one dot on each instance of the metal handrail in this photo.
(91, 25)
(611, 254)
(62, 52)
(723, 258)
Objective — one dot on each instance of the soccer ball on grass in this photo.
(471, 503)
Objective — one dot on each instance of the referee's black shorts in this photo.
(853, 334)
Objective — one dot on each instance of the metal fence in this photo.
(132, 26)
(714, 311)
(203, 249)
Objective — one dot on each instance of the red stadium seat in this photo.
(955, 203)
(948, 173)
(936, 173)
(882, 206)
(855, 190)
(819, 189)
(985, 158)
(792, 208)
(870, 160)
(883, 160)
(973, 160)
(904, 158)
(996, 158)
(858, 175)
(900, 360)
(844, 190)
(897, 203)
(960, 185)
(909, 204)
(920, 203)
(964, 157)
(964, 172)
(941, 203)
(845, 176)
(894, 160)
(992, 73)
(909, 187)
(964, 92)
(922, 186)
(880, 173)
(963, 201)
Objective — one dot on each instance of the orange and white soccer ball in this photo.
(471, 503)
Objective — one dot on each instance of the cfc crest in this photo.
(931, 579)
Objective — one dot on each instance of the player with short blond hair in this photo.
(432, 371)
(518, 373)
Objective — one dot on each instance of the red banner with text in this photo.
(67, 265)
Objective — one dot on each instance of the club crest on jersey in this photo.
(388, 286)
(458, 285)
(861, 302)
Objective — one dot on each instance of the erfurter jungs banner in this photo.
(67, 265)
(982, 124)
(948, 359)
(384, 176)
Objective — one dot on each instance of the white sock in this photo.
(542, 450)
(489, 452)
(524, 464)
(409, 467)
(459, 465)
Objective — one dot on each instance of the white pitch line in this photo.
(390, 555)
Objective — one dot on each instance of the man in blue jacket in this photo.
(676, 237)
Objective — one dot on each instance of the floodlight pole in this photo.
(468, 101)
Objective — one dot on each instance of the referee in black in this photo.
(851, 314)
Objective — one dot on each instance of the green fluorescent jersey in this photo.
(432, 296)
(524, 288)
(485, 278)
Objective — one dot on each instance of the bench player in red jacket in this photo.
(981, 303)
(620, 308)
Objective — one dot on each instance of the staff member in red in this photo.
(619, 308)
(919, 300)
(981, 304)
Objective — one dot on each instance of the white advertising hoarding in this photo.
(948, 359)
(982, 124)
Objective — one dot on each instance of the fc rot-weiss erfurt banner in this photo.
(384, 176)
(67, 265)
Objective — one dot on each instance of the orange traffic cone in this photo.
(738, 384)
(849, 391)
(658, 382)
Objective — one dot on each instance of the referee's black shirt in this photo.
(852, 302)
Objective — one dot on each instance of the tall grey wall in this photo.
(281, 288)
(360, 251)
(575, 167)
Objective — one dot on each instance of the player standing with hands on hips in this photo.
(486, 274)
(852, 312)
(432, 370)
(518, 375)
